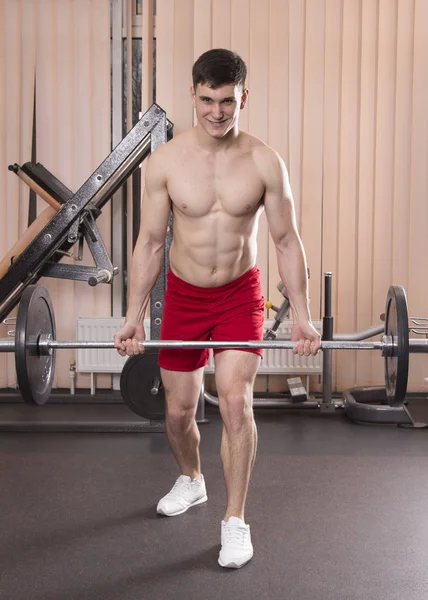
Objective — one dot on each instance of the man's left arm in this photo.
(280, 213)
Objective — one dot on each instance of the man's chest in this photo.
(197, 187)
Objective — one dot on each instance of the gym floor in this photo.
(338, 512)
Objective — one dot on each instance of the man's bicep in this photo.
(279, 206)
(156, 203)
(155, 211)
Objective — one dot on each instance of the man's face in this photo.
(217, 110)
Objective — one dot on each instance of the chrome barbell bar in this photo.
(45, 344)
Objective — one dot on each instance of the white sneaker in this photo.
(236, 548)
(185, 493)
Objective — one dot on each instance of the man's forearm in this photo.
(293, 272)
(145, 268)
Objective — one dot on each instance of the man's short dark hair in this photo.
(219, 67)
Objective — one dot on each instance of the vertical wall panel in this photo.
(183, 57)
(366, 160)
(258, 109)
(55, 151)
(312, 146)
(128, 88)
(221, 23)
(384, 161)
(147, 56)
(202, 31)
(17, 28)
(100, 116)
(13, 51)
(296, 40)
(82, 48)
(28, 58)
(202, 40)
(402, 147)
(240, 43)
(66, 99)
(258, 66)
(64, 140)
(348, 190)
(278, 74)
(97, 301)
(277, 111)
(47, 116)
(331, 118)
(165, 57)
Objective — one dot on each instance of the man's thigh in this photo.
(248, 326)
(183, 320)
(242, 319)
(182, 388)
(235, 372)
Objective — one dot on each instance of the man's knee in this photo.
(180, 412)
(236, 409)
(182, 391)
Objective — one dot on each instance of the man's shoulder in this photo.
(267, 160)
(259, 149)
(174, 146)
(161, 162)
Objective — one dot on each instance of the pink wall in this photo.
(67, 45)
(339, 88)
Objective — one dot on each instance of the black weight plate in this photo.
(34, 372)
(136, 382)
(397, 327)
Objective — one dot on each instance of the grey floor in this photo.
(338, 511)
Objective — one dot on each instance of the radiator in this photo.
(284, 361)
(109, 361)
(100, 360)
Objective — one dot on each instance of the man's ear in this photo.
(193, 94)
(244, 98)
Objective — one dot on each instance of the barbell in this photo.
(35, 345)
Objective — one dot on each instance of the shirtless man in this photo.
(217, 180)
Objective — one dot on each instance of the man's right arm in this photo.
(149, 250)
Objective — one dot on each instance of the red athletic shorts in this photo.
(233, 312)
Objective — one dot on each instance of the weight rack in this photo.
(76, 216)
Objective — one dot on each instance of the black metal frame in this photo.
(83, 228)
(150, 131)
(74, 221)
(158, 137)
(370, 405)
